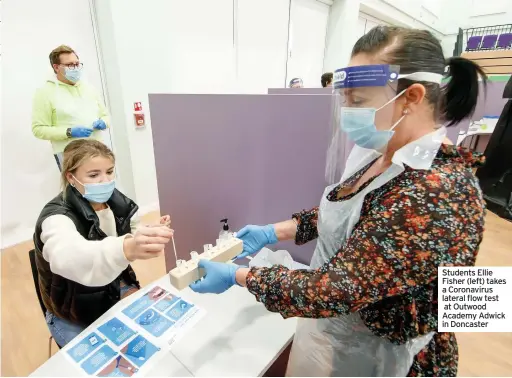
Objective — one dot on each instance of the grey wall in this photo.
(490, 104)
(493, 103)
(254, 159)
(301, 91)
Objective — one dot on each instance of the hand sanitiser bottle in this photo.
(224, 233)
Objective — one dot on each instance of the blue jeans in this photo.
(63, 331)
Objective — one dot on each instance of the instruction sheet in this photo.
(134, 339)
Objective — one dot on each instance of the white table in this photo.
(236, 337)
(485, 126)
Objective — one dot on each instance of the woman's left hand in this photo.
(218, 277)
(99, 125)
(166, 220)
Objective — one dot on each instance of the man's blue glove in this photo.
(80, 132)
(255, 238)
(218, 277)
(99, 125)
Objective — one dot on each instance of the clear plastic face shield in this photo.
(364, 111)
(296, 83)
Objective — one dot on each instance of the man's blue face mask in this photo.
(73, 74)
(359, 125)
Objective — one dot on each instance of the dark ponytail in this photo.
(461, 92)
(417, 50)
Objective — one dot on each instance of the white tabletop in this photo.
(485, 126)
(236, 337)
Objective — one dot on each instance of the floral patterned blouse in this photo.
(387, 268)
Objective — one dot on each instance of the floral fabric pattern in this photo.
(387, 269)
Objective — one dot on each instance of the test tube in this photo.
(194, 256)
(179, 263)
(208, 249)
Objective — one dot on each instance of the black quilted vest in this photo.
(68, 299)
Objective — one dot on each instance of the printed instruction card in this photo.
(134, 339)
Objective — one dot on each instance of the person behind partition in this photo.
(326, 80)
(407, 203)
(296, 83)
(66, 108)
(86, 238)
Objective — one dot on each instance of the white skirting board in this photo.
(20, 235)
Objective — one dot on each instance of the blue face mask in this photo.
(99, 192)
(73, 74)
(359, 125)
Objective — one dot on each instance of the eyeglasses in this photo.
(73, 66)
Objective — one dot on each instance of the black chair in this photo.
(35, 276)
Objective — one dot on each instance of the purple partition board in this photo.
(490, 104)
(301, 91)
(254, 159)
(493, 103)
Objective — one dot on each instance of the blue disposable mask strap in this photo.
(397, 122)
(390, 101)
(77, 181)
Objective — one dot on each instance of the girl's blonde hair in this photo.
(77, 152)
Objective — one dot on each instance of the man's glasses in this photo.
(73, 66)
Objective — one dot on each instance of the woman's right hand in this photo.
(147, 243)
(255, 238)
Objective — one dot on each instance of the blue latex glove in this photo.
(80, 132)
(255, 238)
(99, 125)
(218, 277)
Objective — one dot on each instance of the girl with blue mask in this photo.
(85, 240)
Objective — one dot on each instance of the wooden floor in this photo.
(25, 335)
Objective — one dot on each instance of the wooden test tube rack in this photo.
(188, 272)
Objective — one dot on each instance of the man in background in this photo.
(326, 80)
(296, 83)
(65, 108)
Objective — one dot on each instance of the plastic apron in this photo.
(70, 111)
(344, 346)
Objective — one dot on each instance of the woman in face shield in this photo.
(407, 203)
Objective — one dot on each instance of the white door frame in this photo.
(99, 57)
